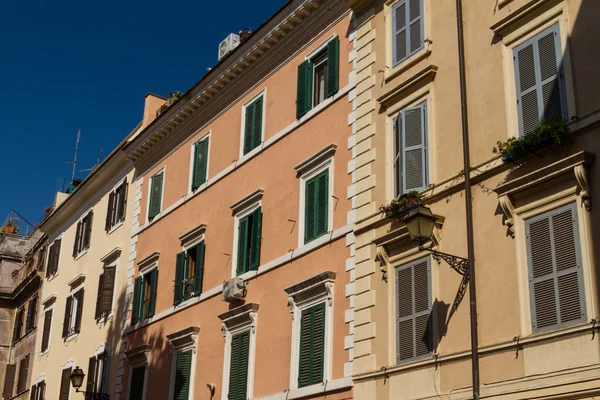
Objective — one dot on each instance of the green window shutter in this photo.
(316, 213)
(156, 183)
(414, 148)
(333, 62)
(242, 250)
(257, 123)
(183, 375)
(312, 346)
(200, 163)
(248, 128)
(255, 240)
(304, 89)
(179, 278)
(136, 390)
(310, 210)
(238, 370)
(153, 285)
(137, 297)
(199, 272)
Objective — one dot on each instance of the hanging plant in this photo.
(398, 207)
(545, 134)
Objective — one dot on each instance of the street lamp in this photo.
(77, 376)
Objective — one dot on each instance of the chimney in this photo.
(151, 105)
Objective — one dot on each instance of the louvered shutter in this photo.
(242, 249)
(414, 337)
(108, 287)
(199, 272)
(33, 393)
(407, 25)
(414, 146)
(122, 204)
(200, 163)
(397, 156)
(9, 380)
(248, 127)
(182, 375)
(79, 311)
(304, 89)
(67, 320)
(23, 372)
(137, 383)
(41, 391)
(155, 195)
(333, 56)
(98, 312)
(179, 278)
(18, 325)
(238, 370)
(539, 80)
(46, 332)
(29, 320)
(65, 383)
(76, 245)
(310, 209)
(312, 346)
(400, 34)
(555, 277)
(255, 240)
(322, 214)
(41, 258)
(137, 298)
(110, 211)
(257, 121)
(91, 376)
(153, 286)
(87, 235)
(51, 256)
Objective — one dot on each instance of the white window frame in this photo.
(185, 248)
(138, 362)
(115, 256)
(208, 136)
(113, 190)
(249, 204)
(190, 343)
(101, 350)
(69, 364)
(39, 380)
(143, 272)
(258, 148)
(73, 336)
(51, 277)
(163, 170)
(311, 55)
(328, 164)
(49, 308)
(83, 251)
(299, 301)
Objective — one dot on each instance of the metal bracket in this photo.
(459, 264)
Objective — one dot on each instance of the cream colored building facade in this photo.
(534, 223)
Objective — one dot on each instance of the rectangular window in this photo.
(73, 312)
(46, 332)
(38, 391)
(18, 327)
(410, 150)
(555, 276)
(156, 189)
(248, 242)
(316, 210)
(144, 296)
(106, 287)
(182, 375)
(9, 380)
(253, 124)
(40, 258)
(65, 384)
(136, 391)
(540, 81)
(407, 29)
(96, 377)
(200, 163)
(83, 234)
(53, 257)
(312, 346)
(415, 333)
(31, 314)
(318, 78)
(23, 372)
(189, 271)
(238, 370)
(117, 203)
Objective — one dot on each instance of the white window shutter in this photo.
(414, 148)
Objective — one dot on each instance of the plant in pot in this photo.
(398, 207)
(544, 135)
(10, 227)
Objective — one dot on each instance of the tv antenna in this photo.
(74, 162)
(95, 166)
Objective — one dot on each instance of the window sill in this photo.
(408, 63)
(72, 337)
(51, 277)
(325, 388)
(104, 320)
(45, 352)
(115, 227)
(81, 254)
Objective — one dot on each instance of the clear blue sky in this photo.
(87, 64)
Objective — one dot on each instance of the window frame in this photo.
(79, 248)
(143, 273)
(140, 359)
(188, 342)
(46, 309)
(18, 375)
(40, 381)
(186, 248)
(70, 364)
(248, 103)
(206, 136)
(72, 335)
(20, 316)
(162, 170)
(410, 56)
(327, 164)
(113, 264)
(51, 276)
(239, 215)
(117, 223)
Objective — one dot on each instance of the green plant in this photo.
(544, 135)
(396, 207)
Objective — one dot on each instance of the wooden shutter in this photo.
(304, 89)
(136, 390)
(41, 258)
(98, 313)
(76, 244)
(41, 391)
(53, 258)
(155, 195)
(31, 314)
(200, 163)
(65, 384)
(18, 327)
(199, 272)
(33, 393)
(242, 246)
(87, 234)
(182, 375)
(108, 290)
(137, 298)
(110, 212)
(23, 372)
(79, 311)
(9, 380)
(407, 26)
(238, 370)
(539, 80)
(91, 376)
(248, 127)
(555, 277)
(255, 240)
(46, 332)
(310, 206)
(257, 120)
(312, 346)
(322, 222)
(398, 156)
(414, 146)
(414, 337)
(179, 278)
(67, 320)
(153, 285)
(333, 62)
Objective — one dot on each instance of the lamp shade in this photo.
(77, 377)
(420, 222)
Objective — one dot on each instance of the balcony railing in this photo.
(10, 282)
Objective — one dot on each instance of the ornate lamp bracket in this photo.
(459, 264)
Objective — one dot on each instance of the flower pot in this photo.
(9, 229)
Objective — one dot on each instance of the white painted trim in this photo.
(249, 209)
(174, 351)
(69, 364)
(41, 378)
(262, 93)
(208, 136)
(249, 326)
(147, 269)
(49, 308)
(313, 390)
(129, 376)
(322, 46)
(162, 194)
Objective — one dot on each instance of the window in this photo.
(316, 208)
(136, 390)
(238, 367)
(38, 391)
(189, 271)
(318, 78)
(96, 376)
(414, 330)
(183, 363)
(183, 375)
(117, 203)
(46, 332)
(144, 296)
(40, 258)
(106, 287)
(555, 276)
(18, 327)
(73, 311)
(253, 124)
(31, 314)
(248, 242)
(410, 150)
(407, 29)
(9, 380)
(312, 346)
(83, 234)
(156, 189)
(23, 372)
(199, 163)
(53, 258)
(65, 384)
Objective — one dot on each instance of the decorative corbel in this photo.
(224, 330)
(508, 209)
(384, 262)
(292, 306)
(581, 174)
(252, 316)
(329, 288)
(171, 348)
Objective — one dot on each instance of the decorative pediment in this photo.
(319, 286)
(111, 255)
(192, 235)
(424, 76)
(316, 159)
(239, 317)
(139, 355)
(76, 281)
(247, 201)
(48, 301)
(184, 338)
(148, 261)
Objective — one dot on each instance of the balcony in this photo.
(11, 283)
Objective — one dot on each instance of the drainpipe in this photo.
(468, 202)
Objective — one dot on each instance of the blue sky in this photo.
(87, 64)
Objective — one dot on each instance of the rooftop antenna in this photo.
(94, 167)
(74, 162)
